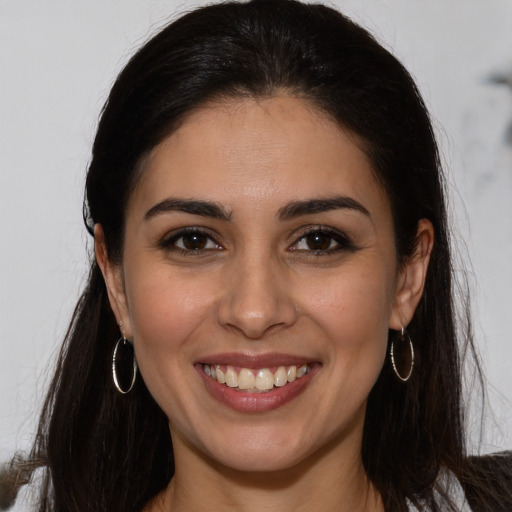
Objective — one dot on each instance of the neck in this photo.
(330, 480)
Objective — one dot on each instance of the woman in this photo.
(267, 206)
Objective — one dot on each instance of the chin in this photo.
(261, 449)
(259, 461)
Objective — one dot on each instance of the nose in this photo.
(257, 298)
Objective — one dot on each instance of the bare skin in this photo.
(258, 232)
(317, 483)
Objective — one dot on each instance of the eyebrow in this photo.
(191, 206)
(311, 206)
(290, 211)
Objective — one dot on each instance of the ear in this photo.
(411, 278)
(113, 276)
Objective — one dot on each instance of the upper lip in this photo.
(246, 360)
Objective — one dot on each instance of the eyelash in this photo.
(341, 240)
(343, 243)
(170, 242)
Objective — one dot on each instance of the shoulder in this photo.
(483, 484)
(487, 482)
(19, 491)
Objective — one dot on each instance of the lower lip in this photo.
(256, 402)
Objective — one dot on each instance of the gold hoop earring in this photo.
(125, 346)
(403, 336)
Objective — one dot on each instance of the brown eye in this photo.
(322, 240)
(318, 241)
(194, 241)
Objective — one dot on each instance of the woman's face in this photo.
(259, 281)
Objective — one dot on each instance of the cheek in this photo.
(166, 310)
(351, 297)
(353, 308)
(168, 313)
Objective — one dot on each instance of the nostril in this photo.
(253, 331)
(255, 300)
(256, 324)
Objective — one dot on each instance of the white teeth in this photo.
(291, 374)
(219, 375)
(246, 379)
(301, 371)
(255, 380)
(264, 380)
(280, 378)
(231, 377)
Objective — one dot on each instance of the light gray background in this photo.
(58, 59)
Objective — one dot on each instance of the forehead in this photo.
(266, 151)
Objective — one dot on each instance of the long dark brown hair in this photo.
(101, 451)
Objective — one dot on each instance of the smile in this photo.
(256, 383)
(255, 380)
